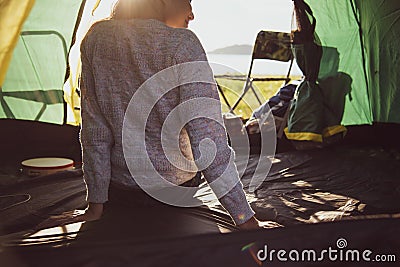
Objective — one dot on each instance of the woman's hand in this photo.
(254, 224)
(92, 213)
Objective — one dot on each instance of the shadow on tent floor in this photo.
(348, 184)
(332, 185)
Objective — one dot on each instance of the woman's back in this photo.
(122, 55)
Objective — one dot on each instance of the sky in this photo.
(221, 23)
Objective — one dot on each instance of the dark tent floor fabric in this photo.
(333, 184)
(236, 249)
(50, 194)
(341, 184)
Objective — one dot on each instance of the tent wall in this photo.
(360, 41)
(12, 17)
(380, 22)
(33, 87)
(338, 33)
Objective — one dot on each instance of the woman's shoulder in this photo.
(189, 47)
(188, 40)
(99, 27)
(187, 35)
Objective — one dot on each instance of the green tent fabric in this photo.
(366, 34)
(33, 87)
(317, 109)
(358, 75)
(337, 28)
(380, 24)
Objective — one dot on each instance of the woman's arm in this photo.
(96, 140)
(96, 136)
(222, 168)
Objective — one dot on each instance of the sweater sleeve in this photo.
(95, 136)
(207, 132)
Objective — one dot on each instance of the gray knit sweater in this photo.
(117, 58)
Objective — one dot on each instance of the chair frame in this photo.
(264, 49)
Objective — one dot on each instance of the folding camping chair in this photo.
(272, 46)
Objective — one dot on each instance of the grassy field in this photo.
(233, 88)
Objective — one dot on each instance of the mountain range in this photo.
(234, 50)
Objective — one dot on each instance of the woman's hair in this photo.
(138, 9)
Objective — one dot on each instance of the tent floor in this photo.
(301, 187)
(357, 187)
(380, 236)
(349, 191)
